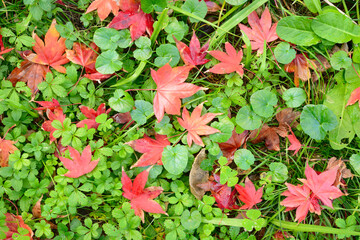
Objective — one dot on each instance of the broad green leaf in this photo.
(317, 120)
(313, 5)
(167, 53)
(283, 53)
(176, 29)
(142, 111)
(340, 60)
(279, 172)
(355, 162)
(144, 48)
(294, 97)
(149, 5)
(335, 27)
(106, 38)
(352, 75)
(195, 7)
(189, 220)
(247, 119)
(108, 62)
(244, 159)
(297, 30)
(175, 159)
(225, 126)
(124, 38)
(121, 101)
(263, 102)
(347, 117)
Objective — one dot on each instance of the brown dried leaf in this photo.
(267, 134)
(286, 118)
(36, 210)
(342, 172)
(229, 147)
(198, 176)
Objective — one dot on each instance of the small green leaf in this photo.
(294, 97)
(176, 29)
(340, 60)
(175, 159)
(283, 53)
(244, 159)
(121, 101)
(236, 2)
(247, 119)
(106, 38)
(279, 172)
(195, 7)
(108, 62)
(167, 53)
(191, 221)
(253, 214)
(355, 162)
(149, 5)
(144, 48)
(142, 111)
(263, 102)
(317, 120)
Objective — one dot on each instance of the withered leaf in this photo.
(198, 176)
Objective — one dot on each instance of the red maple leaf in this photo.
(141, 199)
(86, 57)
(261, 30)
(91, 115)
(229, 147)
(211, 6)
(6, 148)
(3, 50)
(196, 124)
(131, 16)
(322, 184)
(248, 194)
(194, 54)
(224, 196)
(229, 61)
(316, 187)
(48, 105)
(171, 87)
(302, 199)
(104, 7)
(295, 143)
(354, 97)
(152, 149)
(80, 164)
(57, 114)
(52, 52)
(13, 223)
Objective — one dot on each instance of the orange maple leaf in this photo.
(6, 147)
(52, 52)
(104, 7)
(196, 124)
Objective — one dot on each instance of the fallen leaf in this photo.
(57, 114)
(212, 6)
(171, 87)
(198, 176)
(261, 30)
(13, 223)
(30, 73)
(354, 97)
(302, 199)
(224, 196)
(3, 50)
(52, 51)
(196, 124)
(300, 67)
(282, 235)
(79, 164)
(267, 134)
(6, 148)
(104, 7)
(229, 61)
(152, 149)
(122, 118)
(131, 16)
(286, 117)
(248, 194)
(342, 171)
(229, 147)
(295, 144)
(141, 199)
(194, 54)
(48, 105)
(91, 115)
(36, 210)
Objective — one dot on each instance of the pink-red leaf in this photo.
(134, 18)
(6, 148)
(104, 7)
(141, 198)
(354, 97)
(196, 124)
(171, 87)
(229, 61)
(248, 194)
(79, 164)
(3, 50)
(152, 149)
(295, 143)
(91, 115)
(236, 141)
(13, 223)
(261, 30)
(194, 54)
(48, 105)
